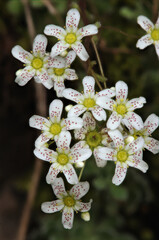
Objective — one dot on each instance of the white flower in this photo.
(63, 158)
(58, 75)
(88, 100)
(124, 155)
(93, 137)
(71, 37)
(152, 36)
(51, 128)
(67, 202)
(36, 63)
(122, 108)
(150, 125)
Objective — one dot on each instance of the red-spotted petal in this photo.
(59, 188)
(76, 110)
(55, 110)
(79, 190)
(138, 163)
(51, 207)
(120, 174)
(117, 138)
(106, 93)
(83, 207)
(105, 153)
(70, 174)
(99, 113)
(80, 50)
(79, 145)
(71, 74)
(44, 77)
(114, 121)
(100, 162)
(151, 123)
(52, 174)
(89, 122)
(88, 30)
(121, 90)
(72, 19)
(56, 31)
(39, 122)
(58, 48)
(152, 145)
(22, 55)
(56, 62)
(72, 95)
(144, 41)
(64, 140)
(88, 84)
(105, 102)
(42, 139)
(136, 145)
(79, 155)
(136, 103)
(25, 75)
(39, 45)
(70, 58)
(67, 217)
(72, 123)
(135, 120)
(145, 23)
(45, 154)
(59, 87)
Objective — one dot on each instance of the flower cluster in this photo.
(104, 124)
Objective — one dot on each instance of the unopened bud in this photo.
(79, 164)
(64, 53)
(129, 139)
(98, 24)
(85, 216)
(68, 107)
(112, 88)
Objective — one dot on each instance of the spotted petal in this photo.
(89, 122)
(72, 94)
(105, 102)
(55, 110)
(25, 75)
(42, 139)
(70, 174)
(45, 154)
(136, 103)
(137, 163)
(56, 62)
(80, 133)
(151, 123)
(100, 162)
(59, 87)
(59, 188)
(72, 19)
(70, 74)
(52, 174)
(88, 84)
(80, 50)
(39, 45)
(70, 58)
(88, 30)
(51, 207)
(79, 155)
(106, 93)
(79, 190)
(117, 138)
(72, 123)
(120, 173)
(135, 120)
(83, 207)
(76, 110)
(22, 55)
(58, 48)
(44, 78)
(64, 140)
(152, 145)
(67, 217)
(114, 121)
(99, 113)
(135, 146)
(145, 23)
(121, 90)
(56, 31)
(105, 153)
(39, 122)
(144, 41)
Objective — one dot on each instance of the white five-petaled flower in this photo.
(124, 155)
(152, 36)
(150, 125)
(63, 158)
(67, 202)
(58, 75)
(36, 63)
(92, 136)
(89, 101)
(71, 37)
(53, 126)
(122, 108)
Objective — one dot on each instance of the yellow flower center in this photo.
(155, 34)
(55, 128)
(93, 139)
(121, 109)
(59, 71)
(69, 201)
(62, 159)
(37, 63)
(70, 38)
(122, 156)
(89, 102)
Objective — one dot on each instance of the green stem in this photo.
(81, 172)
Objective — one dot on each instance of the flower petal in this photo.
(79, 190)
(151, 123)
(72, 123)
(135, 120)
(137, 163)
(120, 174)
(59, 87)
(80, 133)
(89, 122)
(144, 41)
(79, 155)
(44, 78)
(136, 103)
(52, 174)
(83, 207)
(39, 122)
(24, 76)
(117, 138)
(99, 113)
(88, 84)
(70, 174)
(58, 48)
(121, 90)
(42, 139)
(157, 48)
(145, 23)
(72, 94)
(105, 153)
(106, 93)
(19, 53)
(80, 50)
(51, 207)
(70, 58)
(56, 31)
(100, 162)
(59, 188)
(152, 145)
(114, 121)
(64, 140)
(56, 62)
(79, 145)
(39, 45)
(55, 110)
(105, 102)
(67, 217)
(72, 19)
(45, 154)
(70, 74)
(76, 110)
(136, 145)
(88, 30)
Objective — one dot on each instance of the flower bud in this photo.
(68, 107)
(98, 24)
(85, 216)
(64, 53)
(79, 164)
(129, 139)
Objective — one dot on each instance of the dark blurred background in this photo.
(127, 212)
